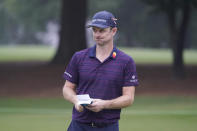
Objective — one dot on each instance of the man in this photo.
(105, 73)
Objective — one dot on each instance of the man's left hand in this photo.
(97, 105)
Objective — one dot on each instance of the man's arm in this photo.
(70, 95)
(125, 100)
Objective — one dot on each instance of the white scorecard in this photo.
(84, 99)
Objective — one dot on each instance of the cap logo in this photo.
(99, 20)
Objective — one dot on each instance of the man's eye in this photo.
(102, 30)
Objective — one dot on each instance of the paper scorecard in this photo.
(84, 99)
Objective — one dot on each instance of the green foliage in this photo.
(163, 5)
(34, 14)
(22, 18)
(192, 33)
(175, 10)
(98, 5)
(7, 24)
(139, 28)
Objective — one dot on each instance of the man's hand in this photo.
(97, 105)
(78, 107)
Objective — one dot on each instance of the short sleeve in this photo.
(71, 72)
(130, 74)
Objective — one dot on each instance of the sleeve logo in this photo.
(68, 74)
(133, 79)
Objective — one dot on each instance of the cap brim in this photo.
(98, 25)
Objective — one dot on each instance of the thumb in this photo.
(79, 107)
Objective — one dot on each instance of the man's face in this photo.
(103, 36)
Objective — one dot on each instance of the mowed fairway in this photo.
(26, 53)
(22, 53)
(147, 114)
(159, 56)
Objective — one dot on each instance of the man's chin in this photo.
(100, 44)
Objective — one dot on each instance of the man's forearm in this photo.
(120, 102)
(69, 94)
(125, 100)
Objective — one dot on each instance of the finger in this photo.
(78, 107)
(91, 105)
(89, 108)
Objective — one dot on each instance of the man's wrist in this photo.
(106, 104)
(75, 101)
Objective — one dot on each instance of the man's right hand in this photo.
(78, 107)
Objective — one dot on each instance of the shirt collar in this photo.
(92, 52)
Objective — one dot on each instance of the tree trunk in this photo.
(72, 32)
(178, 63)
(177, 36)
(171, 14)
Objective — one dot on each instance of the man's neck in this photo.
(103, 52)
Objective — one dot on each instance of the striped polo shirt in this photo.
(101, 80)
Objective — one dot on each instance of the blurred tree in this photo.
(193, 31)
(178, 13)
(7, 24)
(139, 28)
(72, 30)
(98, 5)
(24, 19)
(131, 21)
(21, 20)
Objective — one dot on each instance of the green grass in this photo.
(140, 55)
(26, 53)
(159, 56)
(147, 114)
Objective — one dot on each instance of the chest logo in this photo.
(114, 54)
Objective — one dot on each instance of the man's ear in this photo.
(114, 30)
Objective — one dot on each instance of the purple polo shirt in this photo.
(101, 80)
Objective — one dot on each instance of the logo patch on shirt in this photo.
(68, 74)
(133, 79)
(114, 54)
